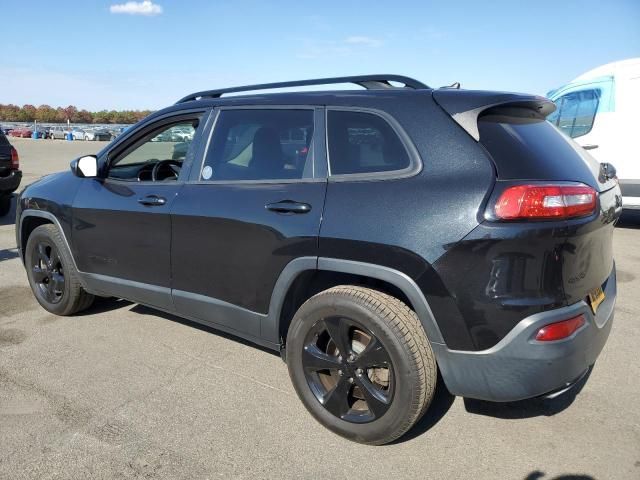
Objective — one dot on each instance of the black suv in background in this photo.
(374, 237)
(10, 174)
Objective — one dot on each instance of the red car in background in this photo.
(22, 132)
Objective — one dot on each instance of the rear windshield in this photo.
(526, 147)
(3, 140)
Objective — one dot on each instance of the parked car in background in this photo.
(58, 132)
(183, 134)
(171, 135)
(10, 174)
(78, 133)
(42, 132)
(377, 239)
(600, 111)
(100, 134)
(116, 132)
(22, 132)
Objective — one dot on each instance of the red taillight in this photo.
(546, 201)
(560, 330)
(15, 160)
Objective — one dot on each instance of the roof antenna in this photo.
(454, 85)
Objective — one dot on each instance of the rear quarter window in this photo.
(361, 143)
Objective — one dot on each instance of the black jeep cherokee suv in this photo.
(374, 237)
(10, 174)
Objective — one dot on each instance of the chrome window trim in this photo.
(415, 162)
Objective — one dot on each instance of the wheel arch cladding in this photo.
(28, 224)
(311, 282)
(388, 276)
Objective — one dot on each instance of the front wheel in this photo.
(52, 275)
(361, 363)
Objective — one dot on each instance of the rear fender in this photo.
(271, 325)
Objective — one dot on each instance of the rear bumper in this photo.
(520, 367)
(10, 183)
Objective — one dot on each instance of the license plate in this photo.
(596, 297)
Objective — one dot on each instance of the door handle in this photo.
(152, 200)
(589, 147)
(288, 206)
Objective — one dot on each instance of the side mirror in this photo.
(85, 167)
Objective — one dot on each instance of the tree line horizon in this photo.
(48, 114)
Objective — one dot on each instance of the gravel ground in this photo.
(126, 392)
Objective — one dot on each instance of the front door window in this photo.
(156, 156)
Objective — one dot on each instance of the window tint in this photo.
(261, 145)
(523, 146)
(363, 143)
(576, 112)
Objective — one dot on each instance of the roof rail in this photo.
(370, 82)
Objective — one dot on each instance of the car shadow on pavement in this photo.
(102, 305)
(141, 309)
(629, 220)
(439, 407)
(538, 475)
(9, 218)
(534, 407)
(8, 254)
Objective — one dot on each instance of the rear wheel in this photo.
(51, 273)
(5, 204)
(361, 363)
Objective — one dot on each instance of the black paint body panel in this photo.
(407, 224)
(115, 235)
(55, 194)
(227, 245)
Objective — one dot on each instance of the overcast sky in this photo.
(115, 55)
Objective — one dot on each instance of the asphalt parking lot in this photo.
(122, 391)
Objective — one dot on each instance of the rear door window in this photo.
(361, 142)
(257, 144)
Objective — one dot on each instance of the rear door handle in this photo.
(589, 147)
(152, 200)
(288, 206)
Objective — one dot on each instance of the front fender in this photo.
(50, 198)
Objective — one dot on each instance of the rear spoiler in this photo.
(465, 106)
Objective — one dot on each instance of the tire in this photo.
(52, 275)
(387, 383)
(5, 204)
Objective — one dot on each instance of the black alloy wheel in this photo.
(348, 370)
(52, 274)
(48, 272)
(361, 363)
